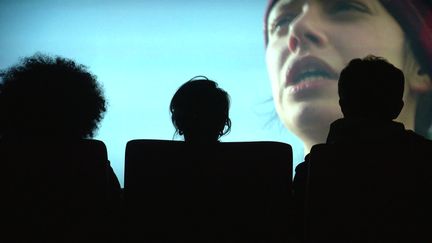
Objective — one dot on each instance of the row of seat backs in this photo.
(232, 188)
(56, 190)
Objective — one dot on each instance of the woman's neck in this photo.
(408, 113)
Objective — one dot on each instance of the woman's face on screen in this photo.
(309, 42)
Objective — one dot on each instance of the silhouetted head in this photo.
(371, 88)
(49, 96)
(200, 110)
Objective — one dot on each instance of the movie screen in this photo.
(278, 61)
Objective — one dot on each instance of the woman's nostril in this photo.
(293, 44)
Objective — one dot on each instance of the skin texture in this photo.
(331, 33)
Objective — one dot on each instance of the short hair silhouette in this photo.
(49, 96)
(371, 88)
(200, 110)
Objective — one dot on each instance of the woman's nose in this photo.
(306, 31)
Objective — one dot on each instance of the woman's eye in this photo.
(281, 23)
(341, 7)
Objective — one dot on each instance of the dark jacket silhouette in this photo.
(50, 108)
(371, 180)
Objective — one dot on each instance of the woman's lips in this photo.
(308, 85)
(309, 73)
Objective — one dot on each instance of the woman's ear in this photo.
(420, 82)
(416, 77)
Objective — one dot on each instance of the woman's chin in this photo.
(312, 119)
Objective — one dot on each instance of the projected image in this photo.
(309, 42)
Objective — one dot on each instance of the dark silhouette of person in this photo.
(200, 111)
(51, 98)
(231, 194)
(371, 179)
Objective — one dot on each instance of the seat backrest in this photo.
(363, 192)
(56, 188)
(240, 188)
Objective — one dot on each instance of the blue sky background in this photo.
(142, 51)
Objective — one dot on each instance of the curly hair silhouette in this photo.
(49, 96)
(200, 110)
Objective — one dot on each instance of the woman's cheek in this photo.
(274, 68)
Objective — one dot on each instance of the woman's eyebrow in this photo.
(288, 6)
(372, 5)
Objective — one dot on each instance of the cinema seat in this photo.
(367, 193)
(56, 191)
(230, 190)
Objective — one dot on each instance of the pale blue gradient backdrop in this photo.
(142, 51)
